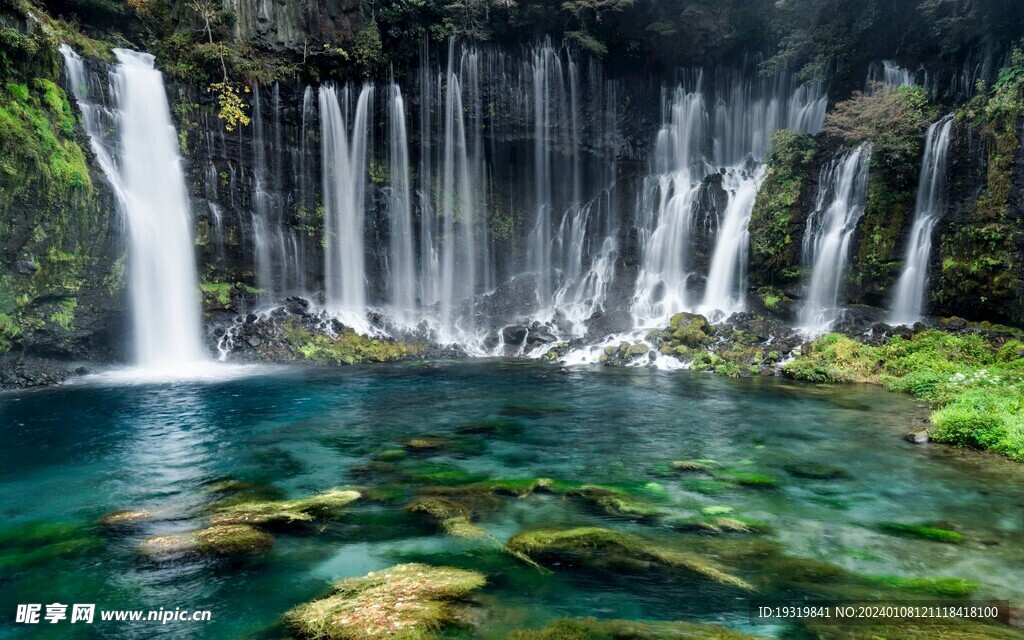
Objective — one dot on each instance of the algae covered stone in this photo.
(406, 601)
(220, 539)
(451, 516)
(287, 511)
(597, 546)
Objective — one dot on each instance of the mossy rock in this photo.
(593, 629)
(615, 502)
(921, 532)
(452, 517)
(217, 540)
(595, 546)
(442, 474)
(403, 602)
(287, 512)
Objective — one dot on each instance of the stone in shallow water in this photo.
(919, 436)
(403, 601)
(222, 539)
(321, 505)
(596, 546)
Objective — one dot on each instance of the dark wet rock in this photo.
(540, 335)
(514, 334)
(602, 324)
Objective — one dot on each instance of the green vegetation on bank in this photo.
(975, 382)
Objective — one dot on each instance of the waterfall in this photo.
(662, 284)
(711, 141)
(145, 171)
(909, 294)
(842, 190)
(345, 170)
(889, 75)
(402, 259)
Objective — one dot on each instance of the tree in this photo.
(229, 99)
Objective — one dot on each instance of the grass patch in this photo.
(975, 382)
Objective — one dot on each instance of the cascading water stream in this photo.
(145, 171)
(909, 293)
(345, 168)
(842, 190)
(402, 259)
(708, 146)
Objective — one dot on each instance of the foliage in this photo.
(892, 120)
(368, 49)
(976, 383)
(778, 203)
(232, 108)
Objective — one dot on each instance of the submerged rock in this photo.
(308, 509)
(403, 601)
(125, 517)
(596, 546)
(450, 516)
(918, 436)
(221, 539)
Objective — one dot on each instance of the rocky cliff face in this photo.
(62, 255)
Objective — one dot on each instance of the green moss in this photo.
(773, 220)
(920, 532)
(403, 602)
(590, 545)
